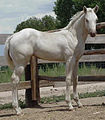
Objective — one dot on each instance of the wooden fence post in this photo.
(32, 95)
(34, 79)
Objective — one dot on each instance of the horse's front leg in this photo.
(15, 80)
(75, 82)
(69, 69)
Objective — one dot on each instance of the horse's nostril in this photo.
(92, 34)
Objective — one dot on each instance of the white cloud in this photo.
(13, 7)
(40, 15)
(13, 12)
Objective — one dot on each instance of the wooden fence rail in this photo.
(8, 86)
(94, 52)
(98, 78)
(100, 25)
(49, 81)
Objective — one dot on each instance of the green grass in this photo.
(60, 71)
(55, 71)
(5, 76)
(92, 70)
(55, 99)
(9, 105)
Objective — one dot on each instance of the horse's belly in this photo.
(51, 56)
(53, 50)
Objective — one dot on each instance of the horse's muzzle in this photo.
(92, 34)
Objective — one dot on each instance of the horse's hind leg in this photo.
(15, 80)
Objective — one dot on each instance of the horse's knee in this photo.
(68, 82)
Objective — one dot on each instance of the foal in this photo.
(66, 44)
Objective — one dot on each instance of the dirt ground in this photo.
(92, 110)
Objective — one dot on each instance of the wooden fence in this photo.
(33, 80)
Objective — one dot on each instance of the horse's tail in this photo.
(7, 53)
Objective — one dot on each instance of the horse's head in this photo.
(90, 19)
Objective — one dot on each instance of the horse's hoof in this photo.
(80, 105)
(19, 111)
(20, 114)
(71, 108)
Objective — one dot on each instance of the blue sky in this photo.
(13, 12)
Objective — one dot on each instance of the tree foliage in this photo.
(65, 9)
(44, 24)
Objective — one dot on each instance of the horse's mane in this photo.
(74, 19)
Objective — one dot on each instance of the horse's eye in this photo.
(87, 20)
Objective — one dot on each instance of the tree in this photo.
(49, 23)
(65, 9)
(44, 24)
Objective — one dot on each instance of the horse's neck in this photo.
(80, 29)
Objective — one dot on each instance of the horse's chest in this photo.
(79, 50)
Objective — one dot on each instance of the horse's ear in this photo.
(84, 9)
(96, 8)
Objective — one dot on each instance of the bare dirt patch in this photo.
(92, 110)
